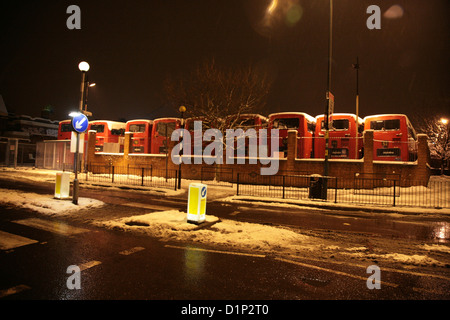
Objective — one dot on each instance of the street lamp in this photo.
(356, 67)
(182, 110)
(83, 67)
(329, 97)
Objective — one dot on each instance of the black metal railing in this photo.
(389, 191)
(135, 176)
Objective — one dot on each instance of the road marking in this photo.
(146, 206)
(131, 251)
(51, 226)
(234, 213)
(333, 271)
(13, 290)
(217, 251)
(89, 264)
(9, 241)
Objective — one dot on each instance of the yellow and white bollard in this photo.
(196, 209)
(62, 185)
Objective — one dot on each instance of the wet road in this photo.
(126, 266)
(120, 265)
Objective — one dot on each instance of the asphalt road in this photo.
(117, 265)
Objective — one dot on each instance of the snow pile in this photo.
(45, 204)
(173, 225)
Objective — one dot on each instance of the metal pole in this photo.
(356, 66)
(75, 181)
(327, 127)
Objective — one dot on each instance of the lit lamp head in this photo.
(182, 109)
(83, 66)
(444, 121)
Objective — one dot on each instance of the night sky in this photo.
(132, 46)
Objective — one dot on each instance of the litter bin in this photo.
(316, 187)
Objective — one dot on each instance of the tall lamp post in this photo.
(329, 98)
(84, 67)
(356, 67)
(182, 110)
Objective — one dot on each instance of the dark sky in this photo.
(133, 45)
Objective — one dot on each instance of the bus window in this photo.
(390, 124)
(118, 132)
(137, 128)
(161, 128)
(66, 127)
(100, 128)
(286, 123)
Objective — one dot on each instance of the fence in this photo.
(15, 151)
(54, 155)
(136, 176)
(370, 191)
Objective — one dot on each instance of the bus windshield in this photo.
(100, 128)
(66, 127)
(137, 128)
(392, 124)
(286, 123)
(338, 124)
(165, 129)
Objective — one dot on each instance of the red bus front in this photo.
(65, 130)
(246, 122)
(345, 140)
(303, 123)
(162, 132)
(141, 135)
(108, 132)
(394, 137)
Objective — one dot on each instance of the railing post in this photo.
(237, 184)
(176, 179)
(112, 180)
(142, 176)
(335, 189)
(284, 183)
(394, 193)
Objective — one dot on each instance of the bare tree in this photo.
(438, 131)
(219, 95)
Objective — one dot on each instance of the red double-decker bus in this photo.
(162, 132)
(300, 121)
(65, 130)
(394, 137)
(245, 122)
(141, 139)
(345, 139)
(108, 132)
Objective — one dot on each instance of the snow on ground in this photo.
(45, 204)
(173, 225)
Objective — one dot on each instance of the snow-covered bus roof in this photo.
(307, 116)
(140, 120)
(360, 120)
(386, 115)
(165, 119)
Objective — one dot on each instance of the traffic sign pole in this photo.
(79, 124)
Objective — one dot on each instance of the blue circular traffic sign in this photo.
(80, 123)
(203, 192)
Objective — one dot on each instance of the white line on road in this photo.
(146, 206)
(51, 226)
(217, 251)
(333, 271)
(131, 251)
(89, 264)
(13, 290)
(9, 241)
